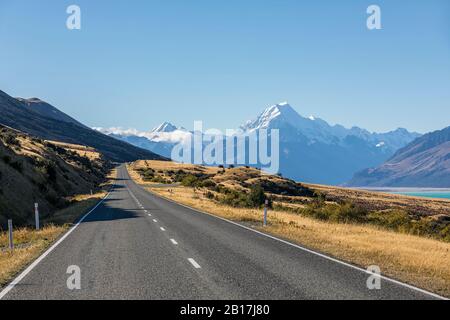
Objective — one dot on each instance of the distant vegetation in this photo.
(393, 219)
(247, 188)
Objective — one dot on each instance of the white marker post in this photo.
(266, 205)
(36, 215)
(10, 235)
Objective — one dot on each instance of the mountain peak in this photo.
(281, 112)
(165, 127)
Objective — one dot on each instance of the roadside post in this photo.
(36, 215)
(10, 235)
(266, 205)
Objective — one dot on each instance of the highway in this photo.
(136, 245)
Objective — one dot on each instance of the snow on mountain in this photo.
(311, 149)
(165, 132)
(165, 127)
(283, 117)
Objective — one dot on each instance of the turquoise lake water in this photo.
(431, 194)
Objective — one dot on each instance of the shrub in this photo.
(257, 197)
(394, 219)
(344, 213)
(445, 233)
(147, 175)
(190, 181)
(235, 199)
(209, 195)
(207, 184)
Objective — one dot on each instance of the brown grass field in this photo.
(417, 260)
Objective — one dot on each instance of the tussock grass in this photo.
(29, 245)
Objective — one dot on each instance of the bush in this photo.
(209, 195)
(344, 213)
(445, 233)
(207, 184)
(394, 219)
(235, 199)
(147, 175)
(190, 181)
(257, 198)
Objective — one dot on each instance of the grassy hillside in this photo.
(247, 187)
(353, 226)
(33, 170)
(18, 115)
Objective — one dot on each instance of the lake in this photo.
(416, 192)
(428, 194)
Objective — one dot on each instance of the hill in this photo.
(423, 163)
(306, 144)
(42, 120)
(33, 170)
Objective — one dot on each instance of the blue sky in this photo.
(138, 63)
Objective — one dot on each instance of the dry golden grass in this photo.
(29, 245)
(416, 260)
(83, 151)
(382, 201)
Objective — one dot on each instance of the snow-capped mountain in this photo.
(160, 139)
(311, 150)
(283, 117)
(424, 163)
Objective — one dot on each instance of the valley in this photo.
(305, 145)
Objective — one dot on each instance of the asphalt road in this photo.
(136, 245)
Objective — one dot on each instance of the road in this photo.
(136, 245)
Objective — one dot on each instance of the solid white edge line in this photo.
(174, 242)
(24, 273)
(434, 295)
(194, 263)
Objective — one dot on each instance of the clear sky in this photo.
(138, 63)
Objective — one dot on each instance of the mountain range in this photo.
(42, 120)
(311, 150)
(423, 163)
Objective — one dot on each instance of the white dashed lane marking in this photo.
(174, 242)
(194, 263)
